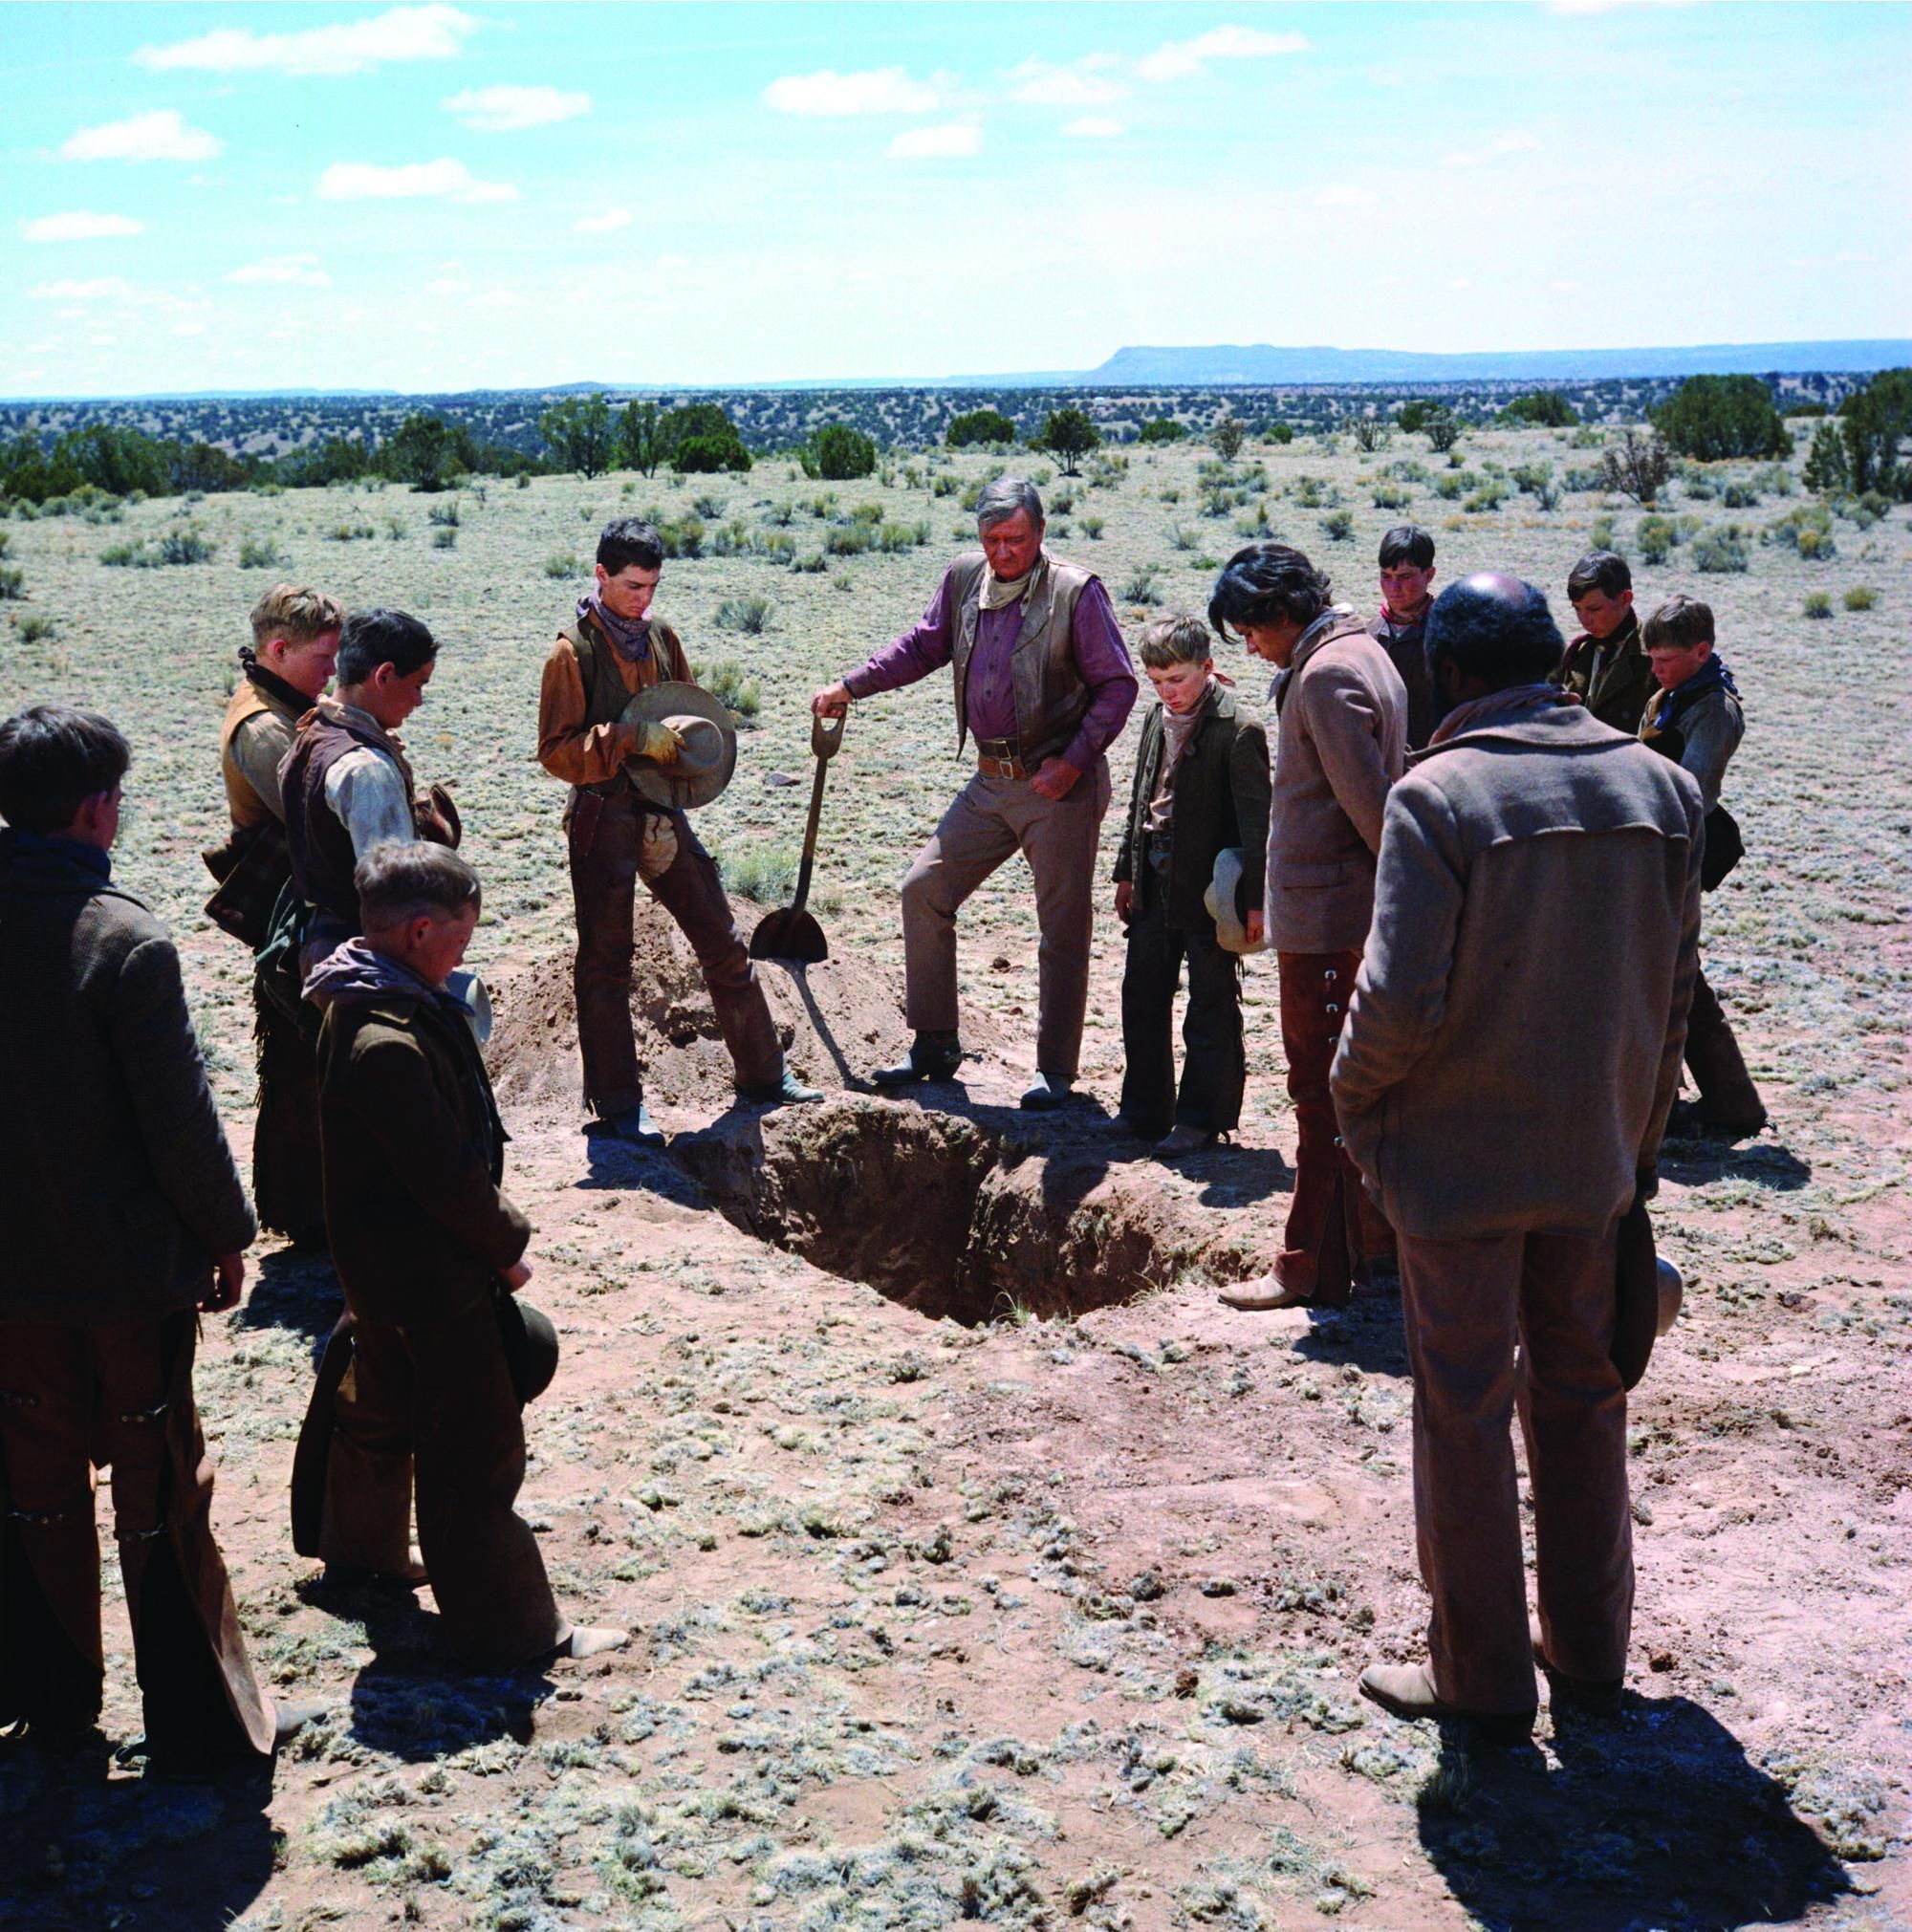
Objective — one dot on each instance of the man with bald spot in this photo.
(1533, 862)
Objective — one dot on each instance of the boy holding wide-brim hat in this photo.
(620, 720)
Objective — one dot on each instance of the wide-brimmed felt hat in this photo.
(1637, 1296)
(531, 1345)
(1223, 900)
(703, 767)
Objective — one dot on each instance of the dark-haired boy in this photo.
(612, 649)
(1406, 595)
(1605, 666)
(1695, 719)
(1341, 735)
(425, 1240)
(1200, 789)
(121, 1218)
(346, 785)
(1505, 1147)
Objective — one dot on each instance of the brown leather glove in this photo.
(657, 742)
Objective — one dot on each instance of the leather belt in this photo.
(996, 758)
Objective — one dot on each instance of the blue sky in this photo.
(437, 196)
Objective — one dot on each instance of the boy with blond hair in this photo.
(1200, 790)
(283, 672)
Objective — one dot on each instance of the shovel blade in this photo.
(790, 935)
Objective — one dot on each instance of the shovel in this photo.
(791, 934)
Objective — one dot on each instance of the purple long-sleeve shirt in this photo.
(1095, 641)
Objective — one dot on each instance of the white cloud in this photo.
(160, 136)
(885, 90)
(1094, 127)
(604, 224)
(1084, 83)
(358, 180)
(505, 110)
(948, 138)
(103, 288)
(433, 33)
(287, 271)
(448, 285)
(81, 224)
(1497, 149)
(1344, 194)
(1188, 59)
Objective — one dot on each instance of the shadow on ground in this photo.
(1765, 1164)
(1657, 1820)
(410, 1701)
(83, 1846)
(296, 1287)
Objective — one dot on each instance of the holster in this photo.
(587, 810)
(251, 867)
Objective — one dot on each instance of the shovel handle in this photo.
(826, 739)
(826, 734)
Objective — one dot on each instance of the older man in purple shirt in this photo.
(1044, 684)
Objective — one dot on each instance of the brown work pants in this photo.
(604, 849)
(990, 820)
(73, 1401)
(1467, 1304)
(431, 1404)
(286, 1164)
(1214, 1063)
(1333, 1229)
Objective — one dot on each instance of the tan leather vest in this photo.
(248, 700)
(1051, 697)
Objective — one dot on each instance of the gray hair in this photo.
(398, 883)
(1000, 500)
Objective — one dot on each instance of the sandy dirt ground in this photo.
(981, 1567)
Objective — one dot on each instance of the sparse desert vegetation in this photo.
(982, 1569)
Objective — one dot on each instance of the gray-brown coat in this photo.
(1340, 742)
(1513, 1042)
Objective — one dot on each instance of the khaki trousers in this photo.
(1466, 1305)
(434, 1402)
(74, 1401)
(604, 849)
(990, 820)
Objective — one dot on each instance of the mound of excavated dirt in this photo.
(971, 1215)
(837, 1019)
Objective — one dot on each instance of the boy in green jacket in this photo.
(1200, 789)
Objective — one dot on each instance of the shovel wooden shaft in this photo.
(815, 818)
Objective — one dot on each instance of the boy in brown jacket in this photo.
(425, 1243)
(1534, 863)
(1342, 737)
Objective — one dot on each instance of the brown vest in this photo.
(605, 692)
(323, 860)
(1051, 697)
